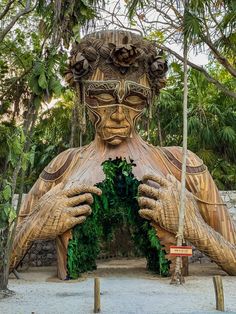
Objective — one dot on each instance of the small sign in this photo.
(181, 251)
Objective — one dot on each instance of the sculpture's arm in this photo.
(52, 175)
(55, 213)
(211, 206)
(160, 204)
(202, 186)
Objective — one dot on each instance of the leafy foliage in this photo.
(211, 122)
(116, 207)
(12, 141)
(34, 39)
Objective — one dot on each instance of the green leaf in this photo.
(43, 81)
(16, 146)
(55, 86)
(34, 85)
(6, 193)
(11, 214)
(31, 155)
(3, 216)
(24, 161)
(228, 134)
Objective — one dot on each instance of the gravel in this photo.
(126, 287)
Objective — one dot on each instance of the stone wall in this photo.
(43, 253)
(229, 198)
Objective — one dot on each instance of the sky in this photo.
(117, 16)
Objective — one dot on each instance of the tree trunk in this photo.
(28, 130)
(159, 130)
(7, 233)
(177, 277)
(4, 255)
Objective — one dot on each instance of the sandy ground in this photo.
(126, 287)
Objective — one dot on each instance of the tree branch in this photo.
(222, 60)
(205, 38)
(200, 69)
(7, 8)
(26, 10)
(166, 17)
(114, 17)
(225, 39)
(17, 79)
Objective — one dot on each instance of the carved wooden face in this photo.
(115, 106)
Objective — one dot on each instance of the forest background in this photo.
(40, 115)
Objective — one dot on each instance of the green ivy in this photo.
(116, 207)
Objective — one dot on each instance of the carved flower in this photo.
(79, 65)
(90, 53)
(105, 51)
(124, 56)
(159, 67)
(69, 77)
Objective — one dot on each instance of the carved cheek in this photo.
(132, 116)
(136, 117)
(94, 116)
(99, 116)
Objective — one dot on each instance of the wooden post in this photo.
(15, 272)
(185, 269)
(97, 305)
(219, 292)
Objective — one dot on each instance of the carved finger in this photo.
(82, 189)
(147, 214)
(149, 191)
(55, 190)
(77, 220)
(172, 179)
(77, 200)
(145, 202)
(158, 179)
(80, 210)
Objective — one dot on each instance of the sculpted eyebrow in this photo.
(138, 93)
(99, 91)
(101, 87)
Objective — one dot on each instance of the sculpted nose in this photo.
(118, 115)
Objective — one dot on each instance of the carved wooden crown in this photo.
(118, 55)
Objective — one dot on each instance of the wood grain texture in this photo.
(219, 293)
(85, 167)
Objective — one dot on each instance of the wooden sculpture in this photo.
(116, 75)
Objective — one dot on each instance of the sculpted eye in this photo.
(104, 97)
(134, 100)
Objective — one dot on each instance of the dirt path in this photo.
(126, 287)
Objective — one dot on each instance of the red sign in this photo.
(181, 251)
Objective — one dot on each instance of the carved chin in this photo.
(114, 135)
(115, 140)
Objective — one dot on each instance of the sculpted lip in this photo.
(117, 130)
(116, 127)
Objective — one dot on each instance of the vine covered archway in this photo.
(116, 209)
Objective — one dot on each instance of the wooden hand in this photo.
(56, 212)
(161, 205)
(60, 210)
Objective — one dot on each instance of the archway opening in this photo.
(115, 227)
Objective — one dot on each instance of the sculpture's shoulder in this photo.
(59, 165)
(174, 155)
